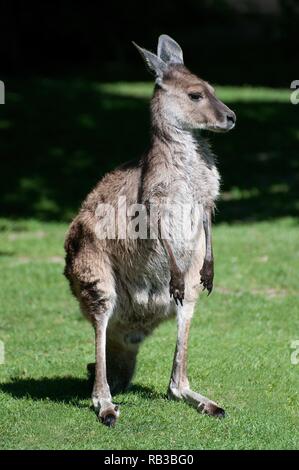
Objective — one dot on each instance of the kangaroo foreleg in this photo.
(177, 283)
(207, 270)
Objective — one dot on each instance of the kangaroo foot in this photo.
(106, 411)
(203, 404)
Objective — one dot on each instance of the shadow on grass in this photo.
(66, 389)
(7, 253)
(58, 137)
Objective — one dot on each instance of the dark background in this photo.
(235, 41)
(59, 135)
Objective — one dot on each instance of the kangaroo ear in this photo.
(169, 50)
(155, 65)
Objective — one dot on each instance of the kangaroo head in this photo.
(185, 100)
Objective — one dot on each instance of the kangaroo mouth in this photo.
(220, 128)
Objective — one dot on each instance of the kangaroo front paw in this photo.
(177, 287)
(207, 275)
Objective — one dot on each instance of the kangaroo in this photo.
(128, 285)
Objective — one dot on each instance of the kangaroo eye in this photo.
(195, 96)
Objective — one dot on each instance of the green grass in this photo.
(227, 93)
(239, 351)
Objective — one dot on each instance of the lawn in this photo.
(241, 336)
(240, 350)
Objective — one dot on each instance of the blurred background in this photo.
(74, 110)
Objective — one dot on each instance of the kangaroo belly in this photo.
(138, 313)
(143, 303)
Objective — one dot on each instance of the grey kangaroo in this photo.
(127, 286)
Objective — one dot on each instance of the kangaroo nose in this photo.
(231, 118)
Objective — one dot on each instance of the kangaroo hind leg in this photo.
(97, 301)
(179, 387)
(121, 362)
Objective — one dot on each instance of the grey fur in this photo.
(169, 50)
(154, 64)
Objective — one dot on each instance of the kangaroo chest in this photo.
(190, 184)
(195, 177)
(181, 183)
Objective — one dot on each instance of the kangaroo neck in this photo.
(174, 145)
